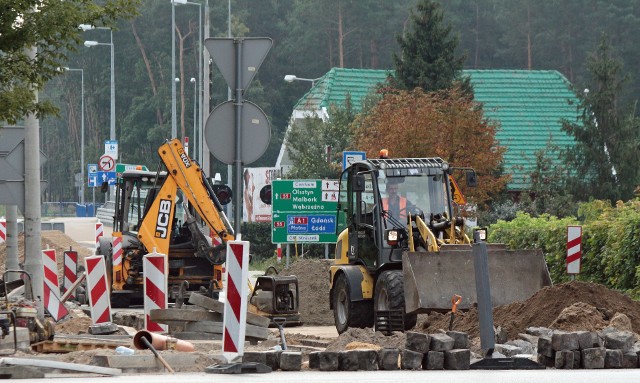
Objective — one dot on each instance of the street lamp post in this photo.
(173, 64)
(85, 27)
(293, 77)
(195, 98)
(81, 131)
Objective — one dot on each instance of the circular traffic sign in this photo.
(106, 163)
(220, 132)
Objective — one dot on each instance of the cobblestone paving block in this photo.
(388, 358)
(411, 360)
(417, 341)
(367, 360)
(588, 339)
(613, 359)
(564, 341)
(593, 357)
(630, 360)
(564, 359)
(433, 360)
(459, 359)
(328, 361)
(441, 342)
(619, 340)
(461, 339)
(290, 361)
(255, 357)
(314, 360)
(545, 348)
(348, 361)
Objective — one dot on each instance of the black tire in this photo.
(389, 295)
(347, 313)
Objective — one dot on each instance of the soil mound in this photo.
(313, 286)
(366, 338)
(582, 300)
(52, 239)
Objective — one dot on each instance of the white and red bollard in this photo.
(99, 232)
(98, 289)
(279, 253)
(235, 308)
(3, 231)
(574, 249)
(51, 287)
(116, 244)
(156, 280)
(70, 270)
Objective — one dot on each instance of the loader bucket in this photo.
(432, 278)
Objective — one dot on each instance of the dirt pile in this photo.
(365, 338)
(313, 285)
(52, 239)
(568, 306)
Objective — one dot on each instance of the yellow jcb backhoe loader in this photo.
(401, 251)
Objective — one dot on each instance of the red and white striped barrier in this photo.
(3, 231)
(98, 290)
(70, 270)
(155, 288)
(99, 232)
(116, 242)
(279, 253)
(235, 308)
(574, 249)
(51, 288)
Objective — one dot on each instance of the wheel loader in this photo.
(396, 260)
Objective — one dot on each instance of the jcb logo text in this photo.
(164, 215)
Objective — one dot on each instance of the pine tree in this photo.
(428, 57)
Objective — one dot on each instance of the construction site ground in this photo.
(571, 306)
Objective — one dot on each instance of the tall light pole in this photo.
(195, 121)
(81, 132)
(85, 27)
(173, 63)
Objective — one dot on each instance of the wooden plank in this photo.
(59, 365)
(217, 306)
(70, 346)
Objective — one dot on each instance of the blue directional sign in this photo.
(350, 157)
(92, 175)
(96, 179)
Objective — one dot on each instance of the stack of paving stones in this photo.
(609, 348)
(421, 352)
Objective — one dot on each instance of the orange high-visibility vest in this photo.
(403, 207)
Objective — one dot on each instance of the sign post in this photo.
(304, 211)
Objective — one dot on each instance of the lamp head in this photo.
(290, 78)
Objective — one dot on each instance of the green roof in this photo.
(528, 106)
(335, 85)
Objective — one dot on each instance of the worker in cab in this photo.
(396, 205)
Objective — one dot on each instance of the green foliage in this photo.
(610, 242)
(259, 235)
(428, 57)
(53, 31)
(308, 140)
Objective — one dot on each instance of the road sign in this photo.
(106, 163)
(92, 175)
(108, 177)
(304, 211)
(111, 148)
(220, 130)
(223, 53)
(121, 168)
(350, 157)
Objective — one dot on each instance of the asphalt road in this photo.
(516, 376)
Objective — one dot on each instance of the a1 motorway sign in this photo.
(304, 211)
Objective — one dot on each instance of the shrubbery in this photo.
(610, 242)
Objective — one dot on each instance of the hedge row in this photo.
(610, 242)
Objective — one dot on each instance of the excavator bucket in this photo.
(432, 278)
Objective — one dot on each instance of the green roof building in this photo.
(528, 107)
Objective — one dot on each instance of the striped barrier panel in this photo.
(98, 290)
(51, 288)
(155, 288)
(70, 270)
(99, 232)
(235, 308)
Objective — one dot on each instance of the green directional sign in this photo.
(304, 211)
(120, 168)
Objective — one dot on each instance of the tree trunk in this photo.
(340, 36)
(147, 64)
